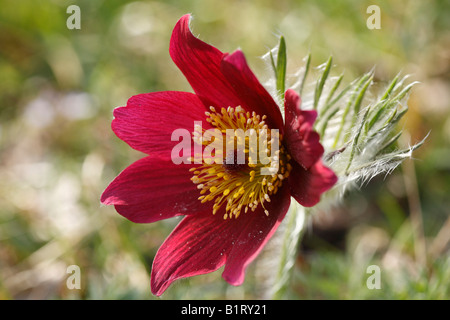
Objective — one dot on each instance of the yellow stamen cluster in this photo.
(240, 187)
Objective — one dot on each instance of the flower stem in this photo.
(293, 232)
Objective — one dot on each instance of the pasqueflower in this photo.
(230, 209)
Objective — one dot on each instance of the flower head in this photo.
(232, 200)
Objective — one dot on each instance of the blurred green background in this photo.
(58, 88)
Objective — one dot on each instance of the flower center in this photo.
(247, 165)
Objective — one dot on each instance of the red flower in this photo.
(231, 210)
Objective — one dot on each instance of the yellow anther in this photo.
(239, 187)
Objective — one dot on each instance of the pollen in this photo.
(252, 162)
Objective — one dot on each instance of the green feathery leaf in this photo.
(280, 66)
(305, 74)
(321, 82)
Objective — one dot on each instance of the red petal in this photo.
(203, 243)
(198, 245)
(153, 189)
(301, 140)
(200, 64)
(308, 185)
(148, 120)
(255, 230)
(252, 95)
(292, 104)
(219, 79)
